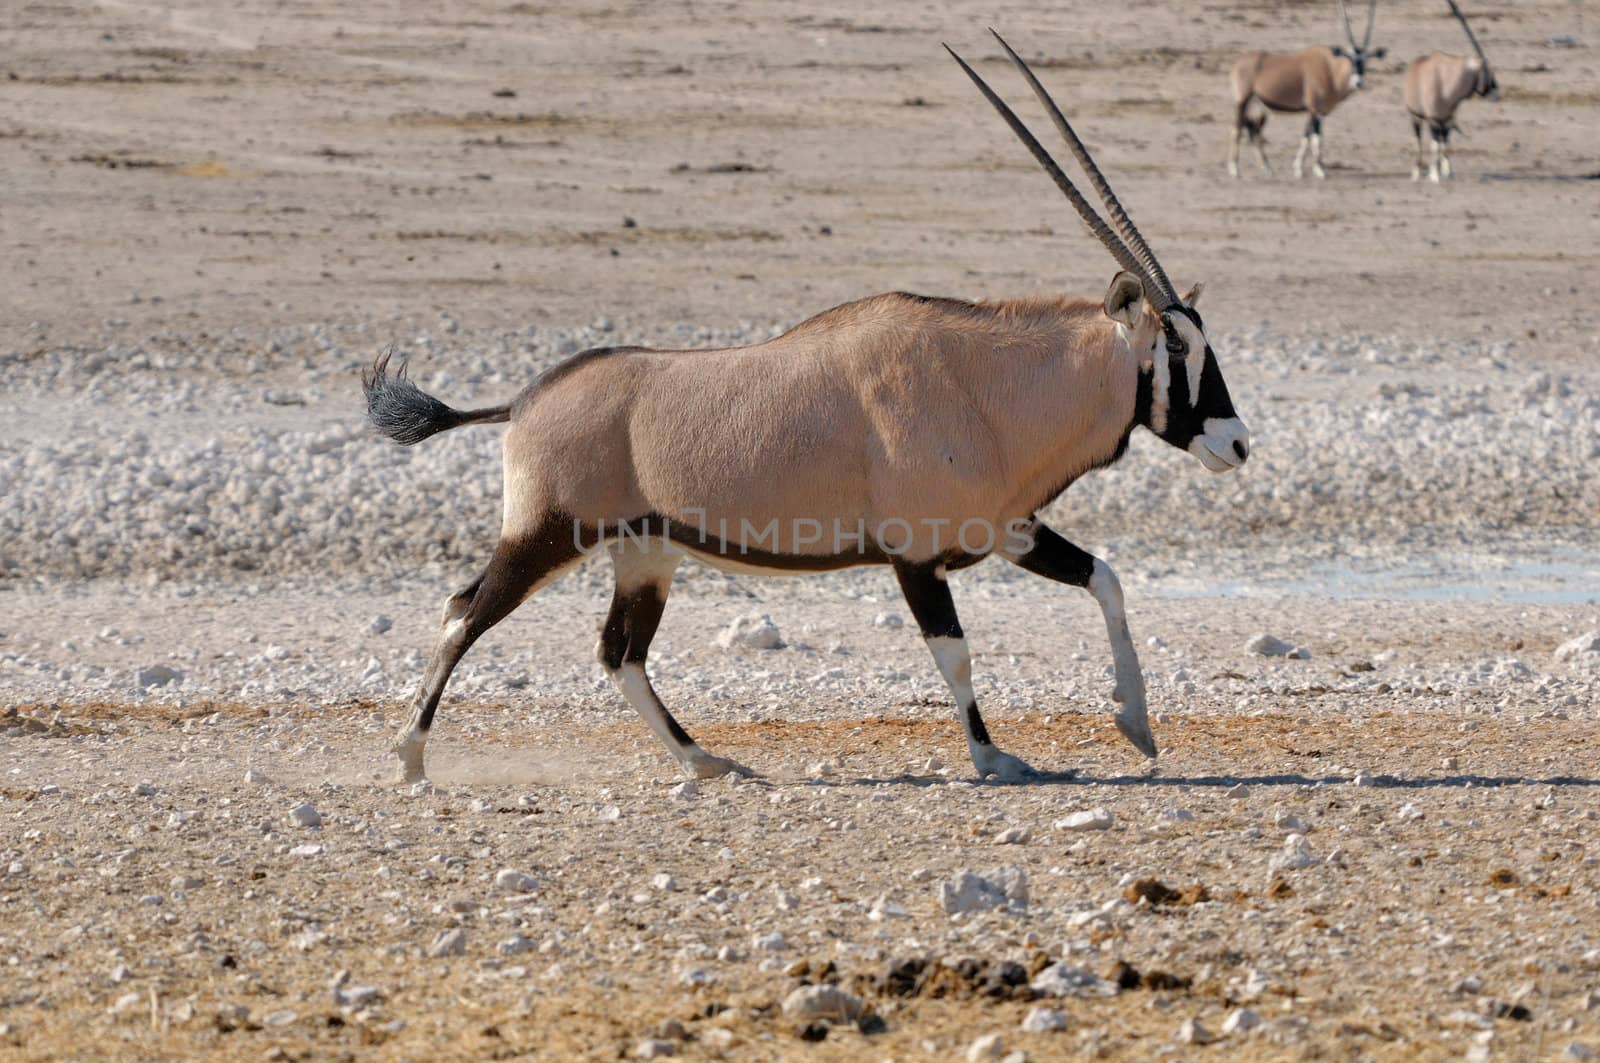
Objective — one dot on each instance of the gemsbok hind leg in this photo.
(927, 593)
(1055, 558)
(516, 570)
(1416, 167)
(644, 577)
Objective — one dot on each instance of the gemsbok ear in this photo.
(1379, 53)
(1122, 298)
(1193, 295)
(1338, 51)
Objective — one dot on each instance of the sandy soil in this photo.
(213, 217)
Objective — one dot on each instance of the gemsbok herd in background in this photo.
(1314, 81)
(919, 433)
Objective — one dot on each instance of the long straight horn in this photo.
(1119, 217)
(1349, 30)
(1456, 11)
(1091, 220)
(1372, 13)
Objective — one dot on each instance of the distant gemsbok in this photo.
(914, 432)
(1435, 86)
(1314, 80)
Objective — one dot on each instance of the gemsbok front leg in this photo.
(927, 592)
(517, 569)
(1055, 558)
(644, 578)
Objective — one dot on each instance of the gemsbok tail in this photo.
(408, 415)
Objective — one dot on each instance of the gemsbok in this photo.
(1314, 80)
(1435, 86)
(902, 430)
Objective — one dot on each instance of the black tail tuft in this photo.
(402, 411)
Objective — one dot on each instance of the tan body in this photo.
(1435, 85)
(1313, 81)
(943, 412)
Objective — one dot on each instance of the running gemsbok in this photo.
(1314, 80)
(1435, 86)
(902, 430)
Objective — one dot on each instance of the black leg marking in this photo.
(1055, 558)
(927, 593)
(514, 572)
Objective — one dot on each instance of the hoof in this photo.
(1136, 729)
(709, 767)
(1003, 767)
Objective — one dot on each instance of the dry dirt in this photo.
(188, 184)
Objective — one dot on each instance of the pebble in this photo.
(773, 942)
(665, 883)
(686, 791)
(449, 943)
(823, 1003)
(654, 1048)
(1044, 1020)
(510, 880)
(1065, 980)
(1578, 1052)
(1192, 1032)
(144, 789)
(754, 631)
(255, 778)
(1098, 818)
(1585, 649)
(1264, 645)
(303, 815)
(1241, 1020)
(1237, 792)
(379, 625)
(988, 1046)
(891, 621)
(1013, 836)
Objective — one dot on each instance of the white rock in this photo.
(754, 631)
(1264, 645)
(1578, 1052)
(686, 791)
(654, 1048)
(773, 942)
(358, 996)
(1064, 980)
(892, 621)
(255, 778)
(1193, 1033)
(1044, 1020)
(822, 1002)
(883, 908)
(1296, 854)
(1013, 836)
(517, 943)
(665, 883)
(1289, 821)
(510, 880)
(1237, 792)
(279, 1018)
(1242, 1020)
(126, 1002)
(1585, 649)
(1098, 818)
(970, 891)
(449, 943)
(379, 625)
(303, 815)
(989, 1046)
(306, 850)
(158, 675)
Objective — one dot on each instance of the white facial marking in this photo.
(1215, 445)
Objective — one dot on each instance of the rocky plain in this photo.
(1373, 653)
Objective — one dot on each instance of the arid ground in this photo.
(217, 589)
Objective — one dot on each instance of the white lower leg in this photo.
(1131, 717)
(635, 686)
(1233, 152)
(1444, 162)
(1316, 155)
(1261, 152)
(1433, 166)
(955, 664)
(1300, 156)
